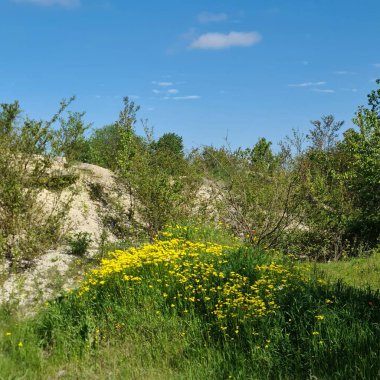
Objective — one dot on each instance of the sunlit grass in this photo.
(359, 272)
(189, 307)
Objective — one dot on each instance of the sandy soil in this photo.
(49, 274)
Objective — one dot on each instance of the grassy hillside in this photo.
(195, 304)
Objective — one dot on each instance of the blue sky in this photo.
(203, 69)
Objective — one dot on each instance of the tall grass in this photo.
(360, 272)
(254, 315)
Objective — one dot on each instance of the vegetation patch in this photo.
(190, 306)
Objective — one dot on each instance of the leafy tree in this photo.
(339, 187)
(8, 118)
(128, 138)
(323, 136)
(262, 152)
(170, 143)
(70, 137)
(104, 145)
(362, 172)
(162, 191)
(169, 150)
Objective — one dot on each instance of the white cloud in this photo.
(224, 41)
(163, 84)
(307, 84)
(62, 3)
(326, 91)
(377, 65)
(206, 17)
(188, 97)
(169, 91)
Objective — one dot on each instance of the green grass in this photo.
(124, 330)
(359, 272)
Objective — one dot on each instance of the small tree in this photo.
(104, 145)
(70, 137)
(156, 181)
(362, 171)
(169, 150)
(323, 136)
(256, 194)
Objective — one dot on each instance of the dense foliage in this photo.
(28, 226)
(319, 199)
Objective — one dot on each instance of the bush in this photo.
(255, 195)
(79, 243)
(69, 137)
(162, 185)
(339, 188)
(28, 226)
(103, 146)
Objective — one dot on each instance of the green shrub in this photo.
(69, 138)
(338, 189)
(255, 194)
(162, 186)
(79, 243)
(28, 225)
(57, 181)
(103, 146)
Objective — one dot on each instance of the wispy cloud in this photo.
(307, 84)
(206, 17)
(188, 97)
(350, 89)
(343, 72)
(377, 65)
(47, 3)
(326, 91)
(163, 84)
(170, 91)
(223, 41)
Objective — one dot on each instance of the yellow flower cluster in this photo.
(244, 299)
(158, 259)
(195, 276)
